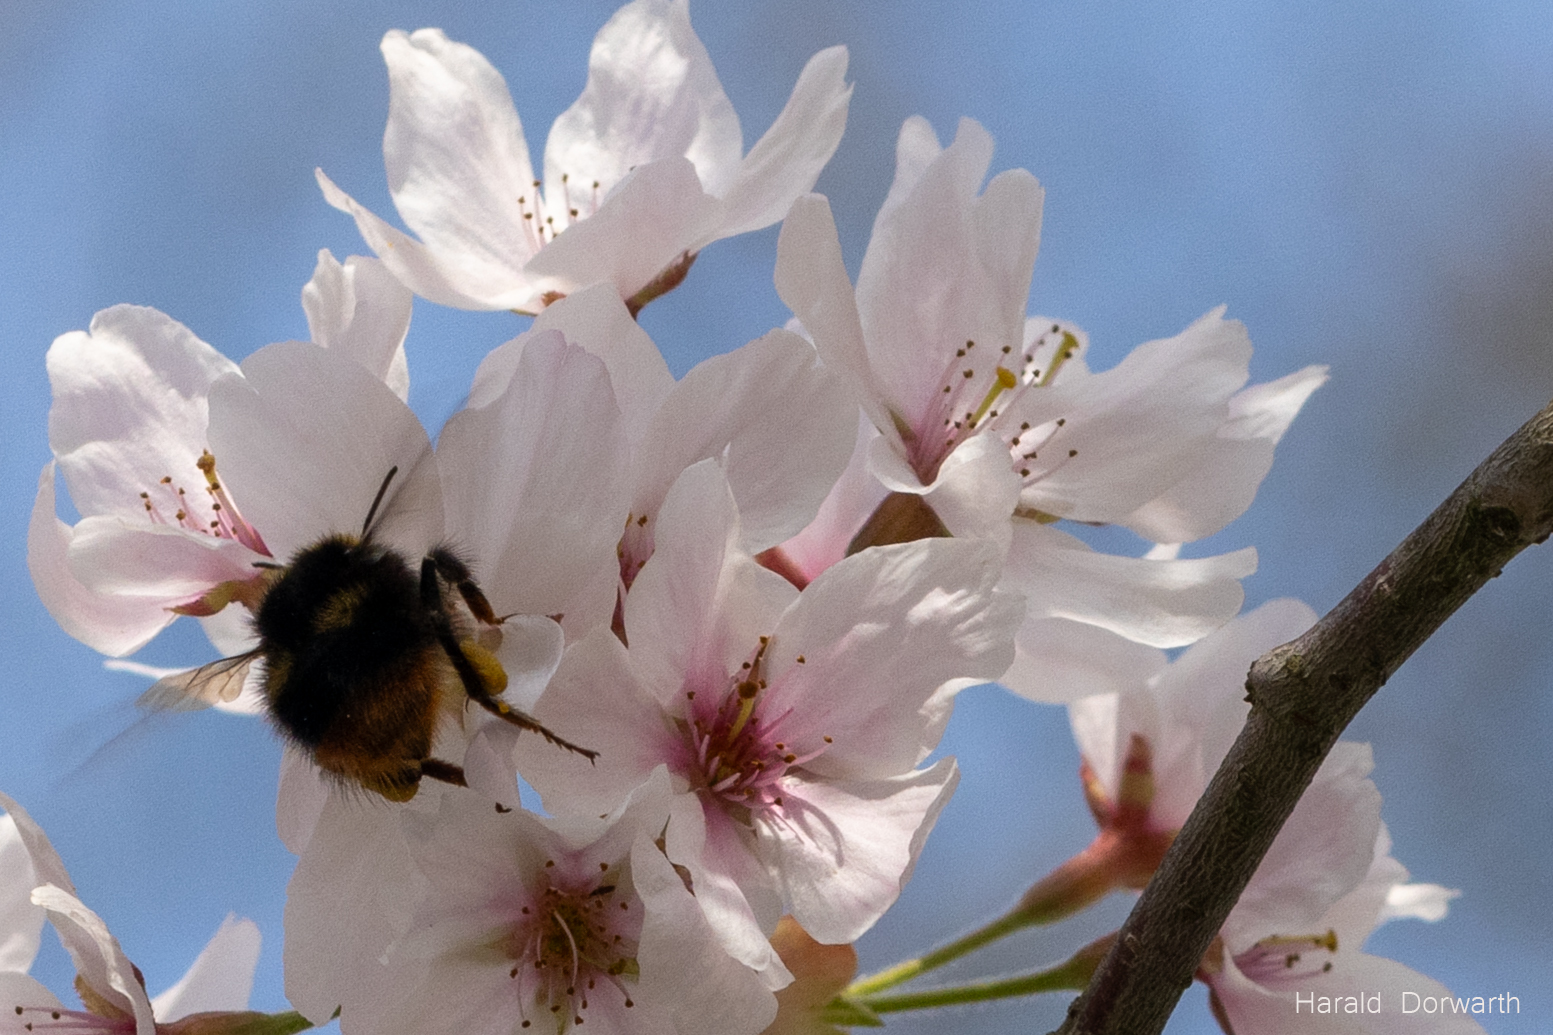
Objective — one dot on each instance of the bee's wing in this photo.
(199, 687)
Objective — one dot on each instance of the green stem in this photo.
(1072, 975)
(1082, 880)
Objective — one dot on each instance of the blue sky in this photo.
(1365, 185)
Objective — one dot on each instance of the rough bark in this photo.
(1302, 696)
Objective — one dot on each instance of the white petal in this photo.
(300, 799)
(946, 266)
(361, 309)
(18, 988)
(786, 161)
(652, 93)
(845, 850)
(976, 491)
(1160, 603)
(129, 407)
(166, 565)
(813, 282)
(1229, 467)
(47, 867)
(1137, 429)
(220, 978)
(655, 215)
(98, 959)
(1323, 852)
(114, 625)
(456, 278)
(824, 540)
(21, 922)
(778, 422)
(596, 319)
(542, 523)
(879, 633)
(304, 441)
(682, 960)
(594, 699)
(1057, 661)
(454, 150)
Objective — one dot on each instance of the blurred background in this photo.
(1366, 185)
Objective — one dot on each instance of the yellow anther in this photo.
(1004, 380)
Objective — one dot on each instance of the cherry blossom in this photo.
(645, 169)
(1298, 930)
(990, 424)
(792, 724)
(33, 885)
(546, 924)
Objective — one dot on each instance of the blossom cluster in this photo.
(717, 623)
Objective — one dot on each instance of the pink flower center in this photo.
(737, 752)
(574, 940)
(218, 516)
(1280, 957)
(975, 394)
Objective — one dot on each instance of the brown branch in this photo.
(1302, 696)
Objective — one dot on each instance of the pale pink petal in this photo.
(976, 491)
(304, 441)
(1323, 852)
(129, 407)
(17, 987)
(220, 978)
(1162, 603)
(166, 565)
(47, 867)
(824, 540)
(361, 309)
(353, 892)
(683, 961)
(113, 625)
(846, 849)
(879, 633)
(652, 93)
(786, 161)
(541, 525)
(1230, 467)
(700, 605)
(300, 798)
(595, 700)
(777, 421)
(655, 215)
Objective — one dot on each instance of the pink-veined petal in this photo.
(845, 850)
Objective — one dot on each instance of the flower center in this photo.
(737, 752)
(574, 940)
(1283, 957)
(169, 504)
(546, 214)
(67, 1022)
(974, 394)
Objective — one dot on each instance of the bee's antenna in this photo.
(366, 526)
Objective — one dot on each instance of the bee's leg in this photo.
(447, 772)
(474, 686)
(455, 572)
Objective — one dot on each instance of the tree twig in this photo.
(1302, 696)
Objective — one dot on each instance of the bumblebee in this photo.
(358, 650)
